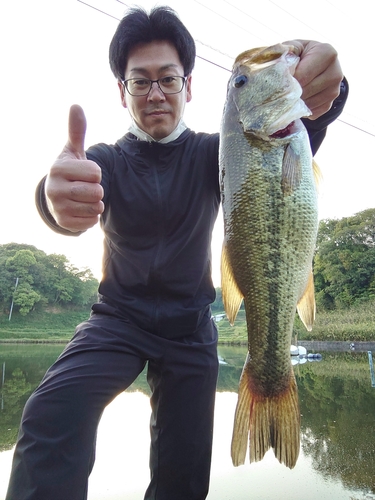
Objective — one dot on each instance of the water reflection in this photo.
(337, 458)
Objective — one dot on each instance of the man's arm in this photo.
(317, 129)
(69, 198)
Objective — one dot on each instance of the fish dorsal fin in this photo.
(306, 305)
(291, 171)
(318, 176)
(232, 297)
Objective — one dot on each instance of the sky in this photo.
(55, 53)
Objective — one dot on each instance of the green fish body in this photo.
(269, 199)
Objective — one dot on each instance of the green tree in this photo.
(20, 265)
(25, 298)
(344, 264)
(43, 279)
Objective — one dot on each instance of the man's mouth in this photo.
(157, 112)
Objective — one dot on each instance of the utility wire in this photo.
(354, 126)
(231, 57)
(253, 18)
(228, 20)
(198, 56)
(296, 18)
(101, 11)
(212, 48)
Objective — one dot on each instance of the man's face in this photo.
(157, 114)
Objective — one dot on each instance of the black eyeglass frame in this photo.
(183, 78)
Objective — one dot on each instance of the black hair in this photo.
(137, 26)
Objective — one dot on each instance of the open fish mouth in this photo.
(284, 132)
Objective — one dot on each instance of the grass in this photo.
(36, 326)
(356, 323)
(353, 324)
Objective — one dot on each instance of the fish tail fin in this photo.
(268, 422)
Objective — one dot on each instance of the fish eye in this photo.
(239, 81)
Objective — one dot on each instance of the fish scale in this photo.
(269, 203)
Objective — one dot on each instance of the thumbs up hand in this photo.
(72, 188)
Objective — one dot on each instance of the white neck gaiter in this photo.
(143, 136)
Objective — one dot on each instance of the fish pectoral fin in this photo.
(268, 422)
(291, 171)
(306, 306)
(232, 297)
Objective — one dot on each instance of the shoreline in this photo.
(311, 345)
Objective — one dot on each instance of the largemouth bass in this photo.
(269, 199)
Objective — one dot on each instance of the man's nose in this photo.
(156, 93)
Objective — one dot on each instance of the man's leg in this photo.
(56, 445)
(183, 383)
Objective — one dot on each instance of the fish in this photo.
(269, 192)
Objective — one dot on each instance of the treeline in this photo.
(344, 271)
(344, 262)
(32, 280)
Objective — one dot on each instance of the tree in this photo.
(20, 264)
(43, 280)
(344, 263)
(25, 298)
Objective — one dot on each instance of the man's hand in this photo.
(319, 74)
(72, 188)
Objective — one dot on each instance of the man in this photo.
(156, 193)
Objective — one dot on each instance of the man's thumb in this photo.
(77, 131)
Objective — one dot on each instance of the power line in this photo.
(251, 17)
(354, 126)
(296, 18)
(228, 20)
(218, 51)
(215, 64)
(231, 57)
(99, 10)
(198, 56)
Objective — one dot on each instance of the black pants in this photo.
(55, 451)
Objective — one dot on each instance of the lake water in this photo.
(337, 458)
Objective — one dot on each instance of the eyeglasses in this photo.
(167, 84)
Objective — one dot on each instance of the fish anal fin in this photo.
(241, 422)
(267, 422)
(232, 297)
(306, 306)
(291, 171)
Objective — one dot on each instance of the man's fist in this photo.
(72, 188)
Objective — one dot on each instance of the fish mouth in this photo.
(284, 132)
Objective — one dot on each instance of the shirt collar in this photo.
(143, 136)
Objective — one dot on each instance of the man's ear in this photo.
(188, 89)
(121, 86)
